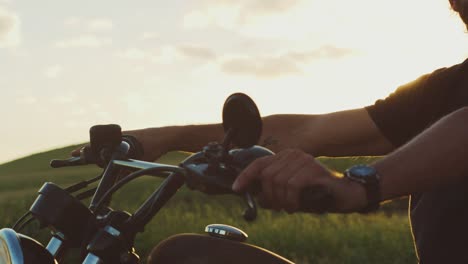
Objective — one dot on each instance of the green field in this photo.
(378, 238)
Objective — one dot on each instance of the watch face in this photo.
(362, 171)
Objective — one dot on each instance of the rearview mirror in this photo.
(242, 118)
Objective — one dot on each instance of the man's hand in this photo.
(283, 176)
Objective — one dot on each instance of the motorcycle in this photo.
(104, 235)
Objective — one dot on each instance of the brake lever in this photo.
(250, 213)
(86, 157)
(73, 161)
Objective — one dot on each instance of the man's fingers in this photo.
(288, 172)
(267, 195)
(262, 202)
(305, 176)
(260, 169)
(271, 178)
(282, 177)
(292, 193)
(311, 176)
(251, 173)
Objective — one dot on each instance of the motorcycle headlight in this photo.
(4, 255)
(10, 247)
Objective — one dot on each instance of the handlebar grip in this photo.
(75, 161)
(316, 199)
(58, 163)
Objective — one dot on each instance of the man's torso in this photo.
(439, 218)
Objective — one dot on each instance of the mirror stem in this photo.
(228, 138)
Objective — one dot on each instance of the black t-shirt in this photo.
(439, 218)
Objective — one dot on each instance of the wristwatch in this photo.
(369, 178)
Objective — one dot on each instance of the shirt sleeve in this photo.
(415, 106)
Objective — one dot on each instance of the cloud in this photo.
(73, 21)
(170, 54)
(270, 6)
(245, 16)
(196, 52)
(167, 54)
(263, 67)
(133, 54)
(26, 100)
(84, 41)
(274, 66)
(296, 20)
(149, 36)
(100, 24)
(90, 24)
(78, 111)
(324, 52)
(65, 98)
(53, 71)
(138, 102)
(89, 37)
(9, 28)
(251, 7)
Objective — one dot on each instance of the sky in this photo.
(67, 65)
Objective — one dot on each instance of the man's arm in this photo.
(436, 157)
(344, 133)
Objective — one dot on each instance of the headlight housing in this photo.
(10, 247)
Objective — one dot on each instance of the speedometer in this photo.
(10, 247)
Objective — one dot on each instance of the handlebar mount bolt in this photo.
(214, 153)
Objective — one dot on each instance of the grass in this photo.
(377, 238)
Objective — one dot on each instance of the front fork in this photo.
(108, 246)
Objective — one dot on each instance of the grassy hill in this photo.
(304, 238)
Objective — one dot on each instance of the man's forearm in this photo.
(343, 133)
(191, 138)
(438, 156)
(279, 132)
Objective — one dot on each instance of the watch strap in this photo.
(373, 195)
(371, 184)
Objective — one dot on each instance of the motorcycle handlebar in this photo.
(88, 156)
(312, 199)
